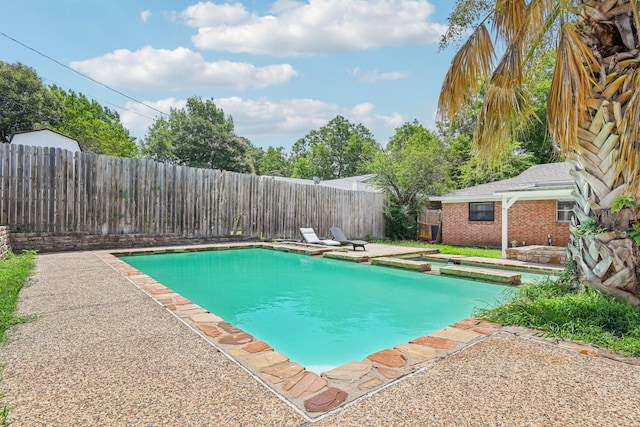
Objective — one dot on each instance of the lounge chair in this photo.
(339, 236)
(310, 237)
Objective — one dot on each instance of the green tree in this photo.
(274, 161)
(96, 128)
(198, 135)
(157, 145)
(532, 146)
(467, 170)
(535, 137)
(412, 167)
(592, 111)
(25, 102)
(254, 157)
(337, 150)
(475, 172)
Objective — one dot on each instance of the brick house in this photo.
(533, 208)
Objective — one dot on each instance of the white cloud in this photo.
(137, 118)
(177, 69)
(365, 114)
(374, 76)
(267, 122)
(291, 119)
(280, 6)
(317, 27)
(208, 14)
(145, 15)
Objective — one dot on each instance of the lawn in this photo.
(447, 249)
(564, 309)
(14, 272)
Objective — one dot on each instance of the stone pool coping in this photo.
(312, 394)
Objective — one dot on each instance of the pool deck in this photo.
(111, 347)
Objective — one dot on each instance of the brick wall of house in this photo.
(458, 230)
(533, 220)
(530, 221)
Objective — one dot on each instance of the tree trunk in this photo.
(607, 260)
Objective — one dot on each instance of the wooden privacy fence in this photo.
(54, 190)
(430, 224)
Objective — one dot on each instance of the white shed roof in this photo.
(45, 138)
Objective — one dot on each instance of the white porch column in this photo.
(507, 202)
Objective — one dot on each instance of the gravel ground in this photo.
(507, 380)
(100, 352)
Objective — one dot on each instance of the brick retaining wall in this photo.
(539, 254)
(4, 241)
(63, 242)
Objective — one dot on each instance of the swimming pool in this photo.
(320, 312)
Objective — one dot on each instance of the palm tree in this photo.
(593, 110)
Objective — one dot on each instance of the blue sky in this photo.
(279, 68)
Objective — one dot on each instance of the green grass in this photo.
(14, 272)
(447, 249)
(564, 310)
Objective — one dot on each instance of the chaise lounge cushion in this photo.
(339, 236)
(310, 237)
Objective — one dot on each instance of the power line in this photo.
(81, 74)
(98, 100)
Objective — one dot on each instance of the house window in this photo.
(564, 211)
(481, 211)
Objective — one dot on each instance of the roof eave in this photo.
(563, 193)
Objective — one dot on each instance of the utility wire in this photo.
(97, 100)
(81, 74)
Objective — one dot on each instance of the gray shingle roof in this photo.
(359, 183)
(545, 176)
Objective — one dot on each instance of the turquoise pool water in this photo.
(319, 312)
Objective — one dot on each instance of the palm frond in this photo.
(505, 111)
(509, 16)
(509, 72)
(507, 108)
(570, 88)
(629, 131)
(468, 68)
(541, 17)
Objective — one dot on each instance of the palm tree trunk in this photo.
(606, 260)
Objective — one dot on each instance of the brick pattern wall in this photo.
(63, 242)
(530, 221)
(4, 242)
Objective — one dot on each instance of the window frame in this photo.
(473, 214)
(569, 212)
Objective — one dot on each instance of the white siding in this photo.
(45, 138)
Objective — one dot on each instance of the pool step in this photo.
(406, 264)
(357, 256)
(480, 274)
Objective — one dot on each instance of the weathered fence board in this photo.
(53, 190)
